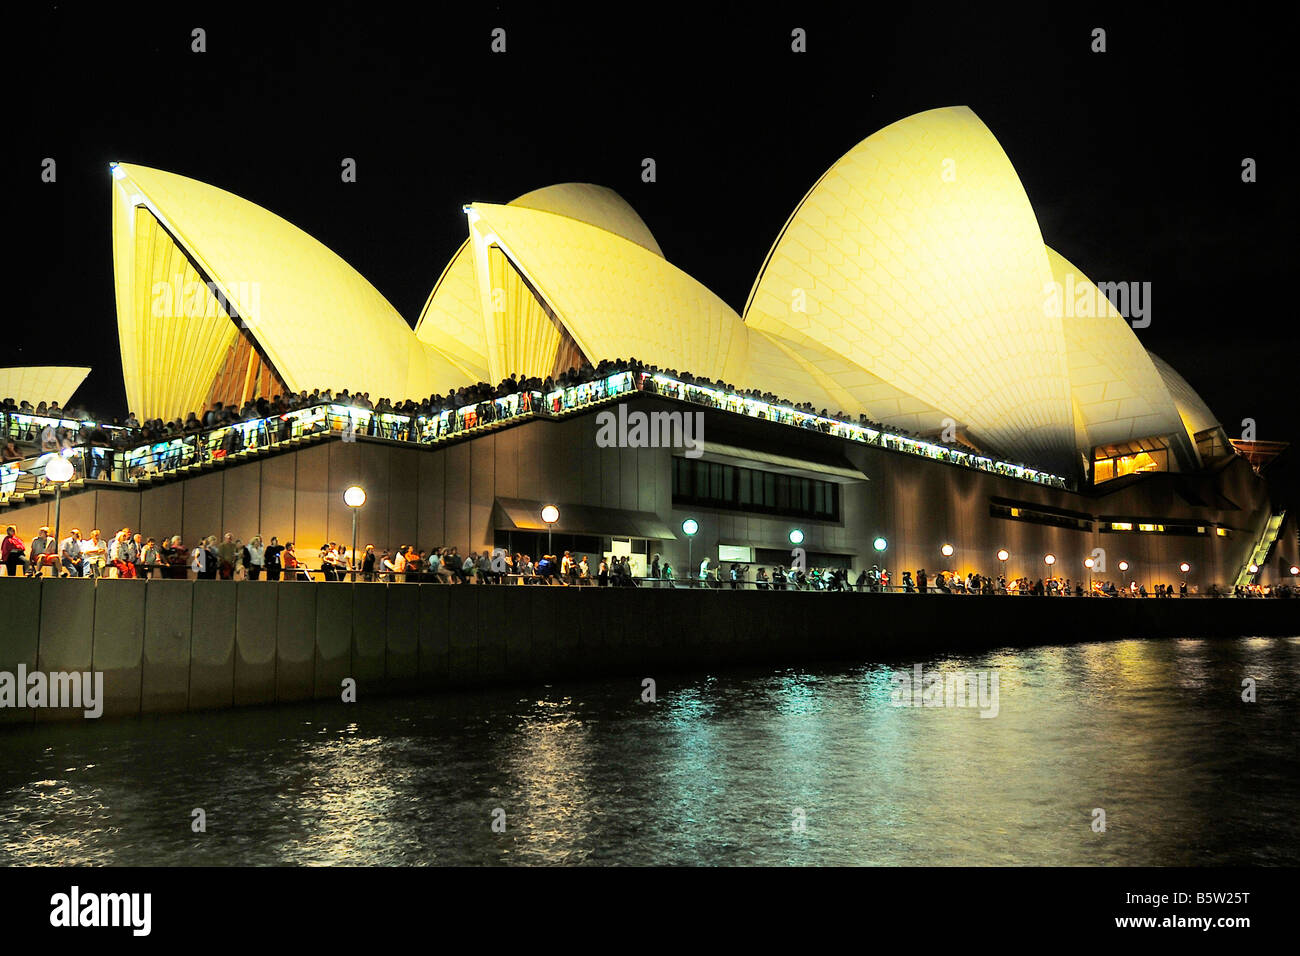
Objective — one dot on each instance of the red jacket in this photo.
(10, 544)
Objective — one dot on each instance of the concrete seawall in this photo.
(191, 645)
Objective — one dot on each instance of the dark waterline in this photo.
(715, 772)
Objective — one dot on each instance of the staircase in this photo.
(1262, 547)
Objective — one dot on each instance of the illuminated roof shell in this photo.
(41, 383)
(320, 324)
(918, 259)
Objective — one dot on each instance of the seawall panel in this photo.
(212, 639)
(255, 639)
(119, 644)
(462, 634)
(19, 637)
(369, 630)
(169, 607)
(435, 640)
(402, 656)
(67, 633)
(295, 641)
(333, 638)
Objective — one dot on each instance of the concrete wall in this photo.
(183, 645)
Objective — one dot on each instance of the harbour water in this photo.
(768, 767)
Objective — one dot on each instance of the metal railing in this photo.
(124, 462)
(317, 575)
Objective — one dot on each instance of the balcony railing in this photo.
(125, 463)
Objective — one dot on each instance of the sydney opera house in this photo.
(1003, 411)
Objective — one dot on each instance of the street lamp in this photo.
(946, 550)
(550, 514)
(1089, 563)
(1184, 567)
(59, 471)
(1049, 559)
(1254, 568)
(880, 544)
(796, 536)
(689, 527)
(1295, 570)
(1003, 554)
(354, 498)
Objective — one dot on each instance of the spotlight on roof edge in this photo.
(117, 171)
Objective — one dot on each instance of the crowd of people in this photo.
(75, 427)
(129, 554)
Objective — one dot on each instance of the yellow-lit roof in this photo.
(454, 318)
(917, 259)
(1196, 416)
(318, 321)
(41, 383)
(1120, 394)
(616, 298)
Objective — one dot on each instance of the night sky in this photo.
(1131, 158)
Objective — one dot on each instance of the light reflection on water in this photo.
(714, 772)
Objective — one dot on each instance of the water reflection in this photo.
(787, 766)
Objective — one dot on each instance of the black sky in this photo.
(1131, 158)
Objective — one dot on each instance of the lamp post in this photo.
(354, 498)
(946, 551)
(1089, 563)
(689, 528)
(550, 514)
(59, 471)
(1123, 567)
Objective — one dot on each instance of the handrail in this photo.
(316, 575)
(96, 461)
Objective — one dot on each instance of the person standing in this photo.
(256, 558)
(271, 559)
(289, 559)
(176, 559)
(396, 565)
(227, 555)
(149, 558)
(199, 561)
